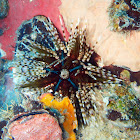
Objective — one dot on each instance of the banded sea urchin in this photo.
(43, 62)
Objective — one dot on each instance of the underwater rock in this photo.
(17, 109)
(126, 103)
(3, 71)
(1, 31)
(33, 125)
(124, 15)
(2, 124)
(4, 8)
(114, 115)
(121, 49)
(6, 88)
(36, 105)
(30, 105)
(136, 4)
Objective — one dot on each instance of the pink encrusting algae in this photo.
(36, 127)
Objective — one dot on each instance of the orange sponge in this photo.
(66, 108)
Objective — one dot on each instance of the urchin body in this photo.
(44, 62)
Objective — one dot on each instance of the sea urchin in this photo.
(43, 62)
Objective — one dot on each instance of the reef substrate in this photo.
(117, 112)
